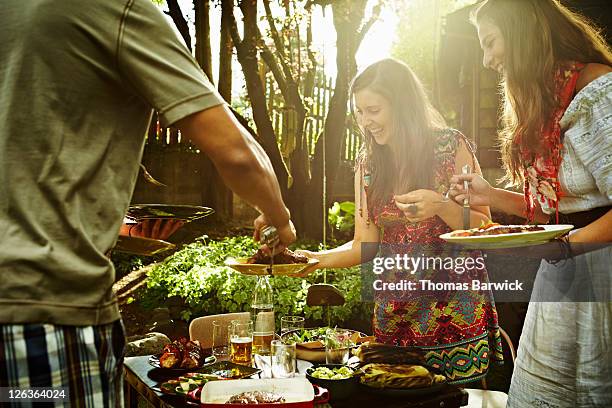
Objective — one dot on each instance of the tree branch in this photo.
(227, 7)
(272, 63)
(179, 20)
(368, 24)
(278, 40)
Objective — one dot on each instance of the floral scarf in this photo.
(542, 171)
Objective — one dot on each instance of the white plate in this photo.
(517, 239)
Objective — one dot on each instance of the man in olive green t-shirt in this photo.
(79, 81)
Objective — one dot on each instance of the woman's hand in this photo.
(479, 189)
(419, 205)
(311, 268)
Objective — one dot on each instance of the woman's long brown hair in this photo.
(407, 162)
(538, 35)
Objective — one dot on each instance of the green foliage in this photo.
(124, 263)
(341, 216)
(197, 274)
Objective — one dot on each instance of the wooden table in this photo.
(142, 379)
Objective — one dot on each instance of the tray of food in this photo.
(285, 263)
(140, 212)
(181, 356)
(310, 343)
(493, 235)
(278, 392)
(395, 371)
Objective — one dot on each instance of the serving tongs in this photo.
(269, 236)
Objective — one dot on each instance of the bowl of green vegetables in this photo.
(339, 379)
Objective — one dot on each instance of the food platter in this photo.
(154, 362)
(140, 212)
(141, 246)
(241, 265)
(229, 370)
(509, 240)
(186, 385)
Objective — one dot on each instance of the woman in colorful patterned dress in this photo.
(402, 174)
(556, 74)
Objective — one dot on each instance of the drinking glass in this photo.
(241, 342)
(289, 323)
(220, 339)
(337, 346)
(283, 359)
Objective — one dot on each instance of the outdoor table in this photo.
(138, 381)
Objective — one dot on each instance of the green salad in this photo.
(337, 337)
(326, 373)
(307, 335)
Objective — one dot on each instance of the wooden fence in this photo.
(314, 124)
(159, 136)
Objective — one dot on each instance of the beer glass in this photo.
(241, 342)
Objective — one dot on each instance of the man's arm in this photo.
(241, 162)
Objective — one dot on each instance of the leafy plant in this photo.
(342, 216)
(197, 274)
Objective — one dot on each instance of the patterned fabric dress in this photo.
(458, 331)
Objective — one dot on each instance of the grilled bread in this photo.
(378, 375)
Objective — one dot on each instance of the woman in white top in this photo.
(556, 140)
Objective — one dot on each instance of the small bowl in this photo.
(338, 389)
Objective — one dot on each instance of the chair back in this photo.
(201, 328)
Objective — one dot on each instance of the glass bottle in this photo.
(262, 315)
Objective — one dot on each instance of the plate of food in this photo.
(400, 380)
(188, 386)
(142, 246)
(140, 212)
(229, 370)
(286, 263)
(181, 356)
(493, 235)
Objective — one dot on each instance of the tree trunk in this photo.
(215, 194)
(348, 16)
(247, 56)
(203, 52)
(174, 10)
(225, 57)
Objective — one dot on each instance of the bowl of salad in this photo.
(339, 379)
(310, 343)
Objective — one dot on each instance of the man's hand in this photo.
(286, 233)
